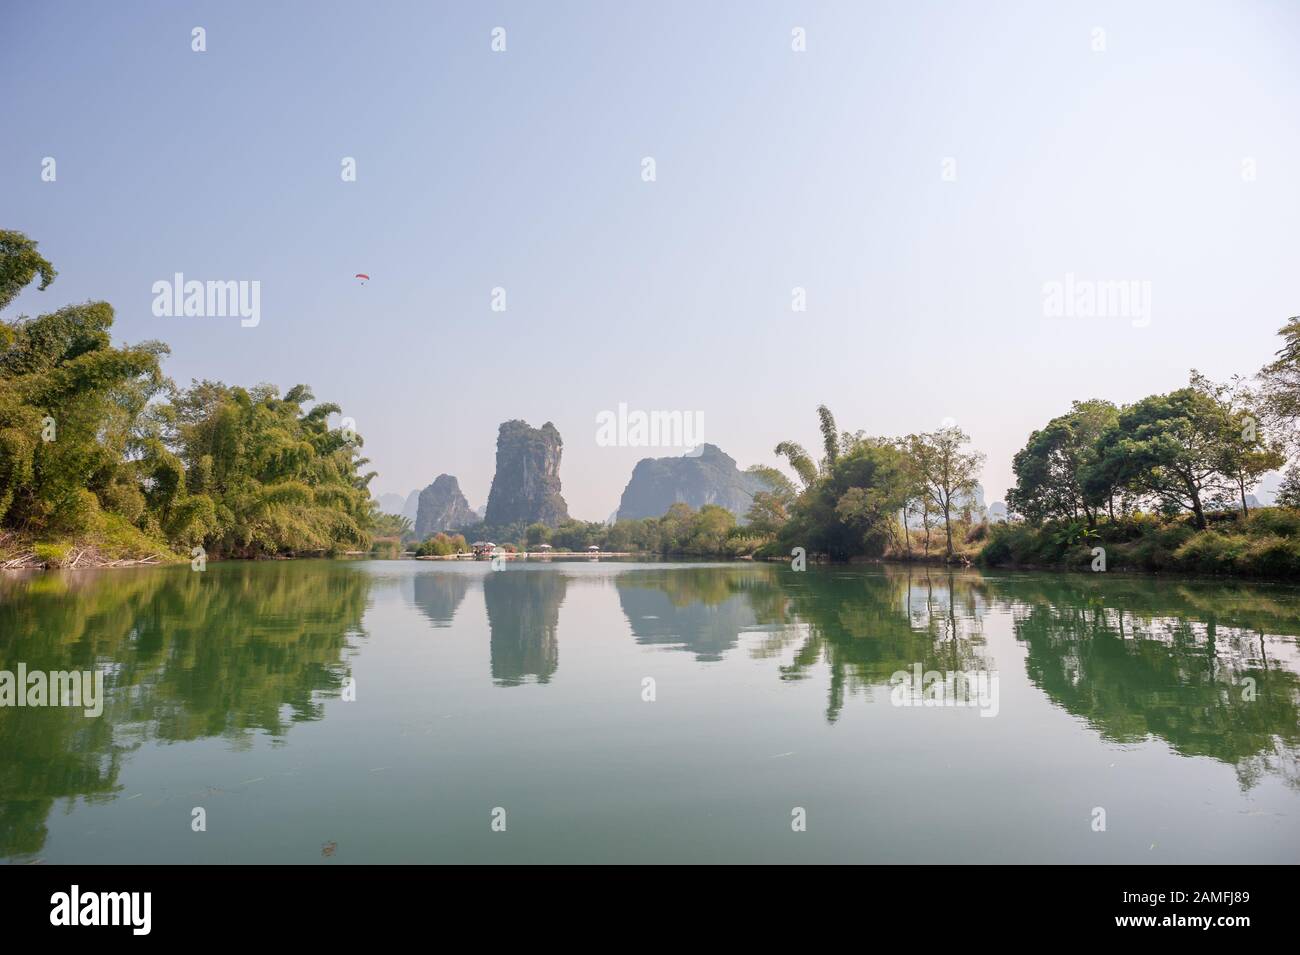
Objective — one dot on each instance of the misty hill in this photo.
(709, 477)
(442, 507)
(408, 507)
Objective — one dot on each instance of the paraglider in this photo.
(364, 277)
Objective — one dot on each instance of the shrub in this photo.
(1282, 521)
(52, 555)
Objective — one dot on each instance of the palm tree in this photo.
(799, 459)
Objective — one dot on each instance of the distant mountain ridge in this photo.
(407, 507)
(708, 475)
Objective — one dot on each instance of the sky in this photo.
(920, 170)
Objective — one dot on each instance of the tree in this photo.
(851, 507)
(769, 509)
(871, 484)
(1170, 447)
(1245, 454)
(1053, 468)
(71, 407)
(799, 460)
(1281, 379)
(945, 471)
(278, 476)
(830, 438)
(833, 446)
(919, 505)
(709, 530)
(20, 263)
(1288, 492)
(390, 525)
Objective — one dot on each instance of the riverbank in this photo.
(530, 555)
(115, 544)
(1263, 545)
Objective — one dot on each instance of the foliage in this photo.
(1168, 448)
(390, 525)
(1056, 471)
(1265, 543)
(1280, 380)
(94, 440)
(442, 545)
(1288, 492)
(942, 472)
(20, 263)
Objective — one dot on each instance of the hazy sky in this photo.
(820, 169)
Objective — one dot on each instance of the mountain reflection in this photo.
(224, 653)
(438, 595)
(700, 609)
(523, 609)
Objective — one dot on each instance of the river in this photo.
(400, 711)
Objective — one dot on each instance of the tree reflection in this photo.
(238, 649)
(1188, 663)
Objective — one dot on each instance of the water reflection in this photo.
(698, 609)
(237, 649)
(861, 628)
(1211, 669)
(438, 596)
(1188, 663)
(864, 629)
(523, 610)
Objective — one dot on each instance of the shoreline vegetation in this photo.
(105, 462)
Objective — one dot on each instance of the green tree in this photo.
(1170, 447)
(1053, 467)
(390, 525)
(1288, 492)
(946, 472)
(1281, 378)
(278, 477)
(851, 508)
(1245, 452)
(71, 403)
(20, 263)
(800, 462)
(770, 509)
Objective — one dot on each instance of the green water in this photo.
(1170, 704)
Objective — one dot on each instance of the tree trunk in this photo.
(947, 525)
(1197, 510)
